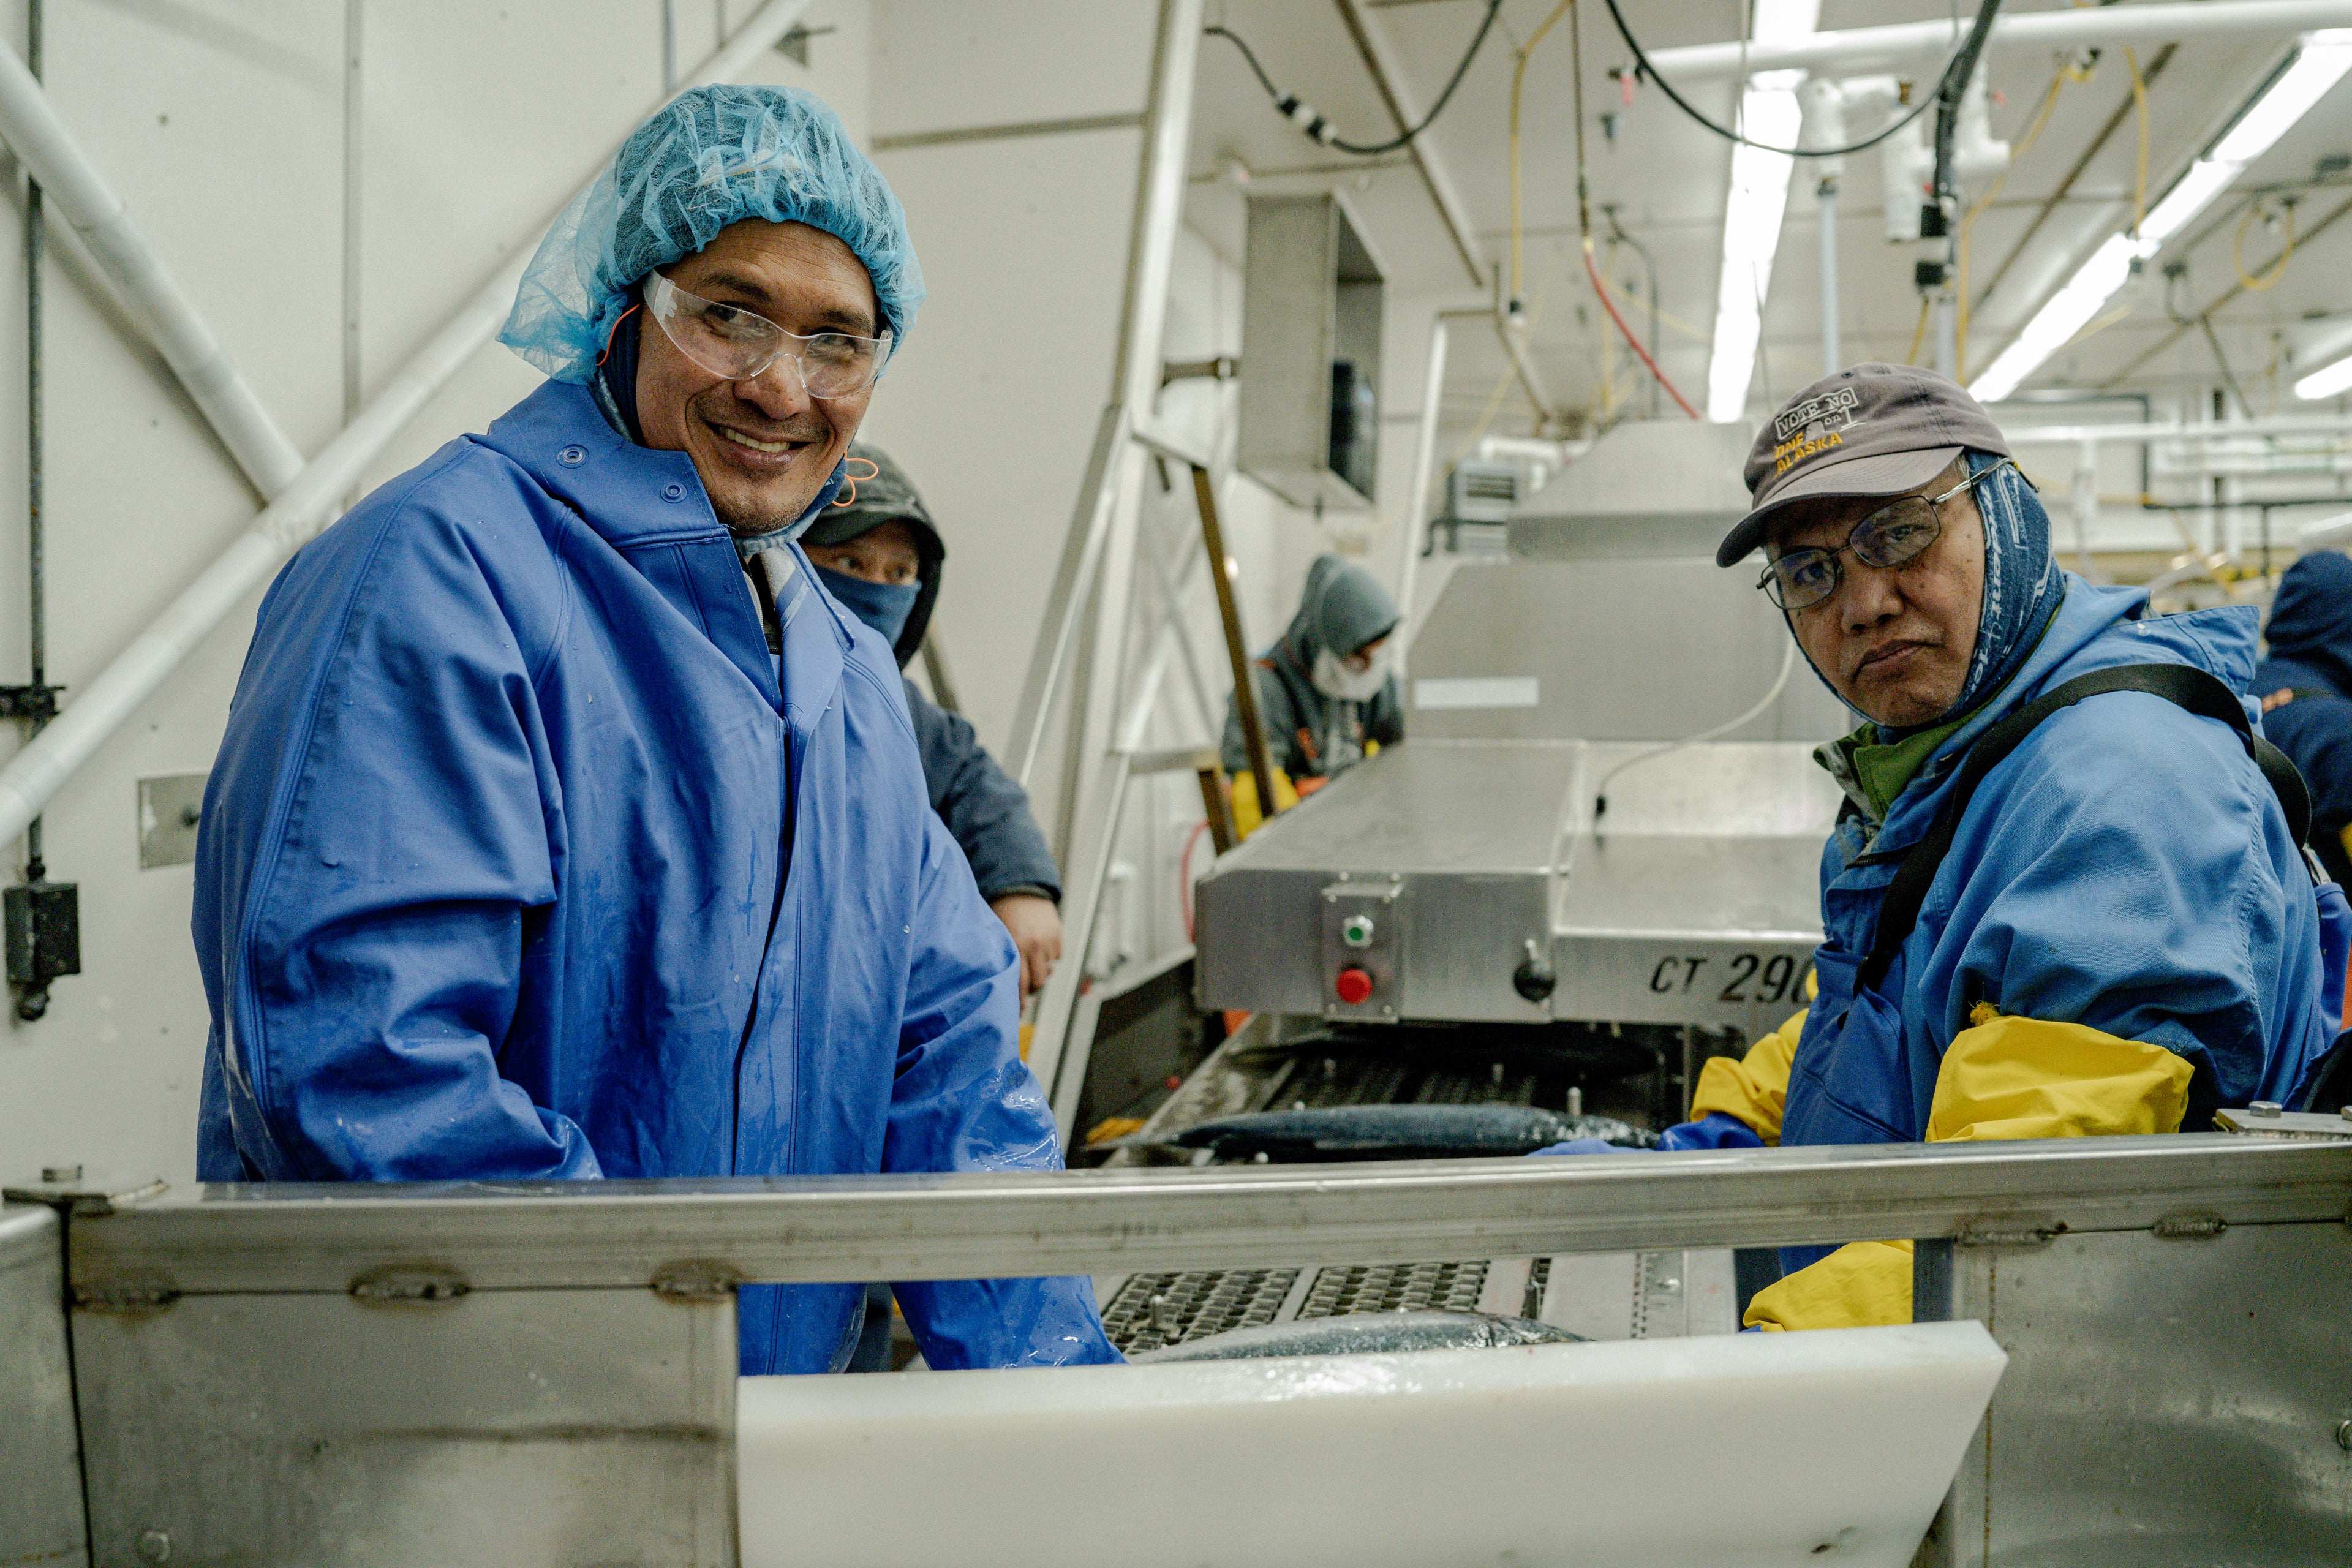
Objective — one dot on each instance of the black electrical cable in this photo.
(1642, 64)
(1302, 114)
(1950, 91)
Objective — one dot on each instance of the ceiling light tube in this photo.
(2066, 313)
(2326, 382)
(2319, 62)
(1753, 211)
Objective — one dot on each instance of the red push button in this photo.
(1354, 986)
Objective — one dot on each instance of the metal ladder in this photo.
(1098, 663)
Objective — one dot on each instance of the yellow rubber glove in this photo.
(1246, 814)
(2003, 1078)
(1754, 1088)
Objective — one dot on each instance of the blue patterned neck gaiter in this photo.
(2022, 584)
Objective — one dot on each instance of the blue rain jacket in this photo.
(2127, 868)
(2310, 636)
(518, 864)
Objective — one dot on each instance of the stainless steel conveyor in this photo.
(301, 1374)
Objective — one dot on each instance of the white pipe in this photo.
(2277, 425)
(68, 178)
(1833, 352)
(35, 774)
(1912, 43)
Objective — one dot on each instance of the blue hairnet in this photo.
(711, 157)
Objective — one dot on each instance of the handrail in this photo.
(35, 774)
(535, 1234)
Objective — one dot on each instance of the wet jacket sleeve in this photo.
(1754, 1090)
(963, 1101)
(377, 882)
(2003, 1078)
(987, 813)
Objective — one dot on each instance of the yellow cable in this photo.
(1518, 79)
(1919, 333)
(2252, 284)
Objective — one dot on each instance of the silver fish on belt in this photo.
(1398, 1132)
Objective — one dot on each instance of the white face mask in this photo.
(1335, 679)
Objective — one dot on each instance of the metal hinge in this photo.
(38, 703)
(402, 1283)
(2008, 1235)
(696, 1282)
(129, 1297)
(2190, 1227)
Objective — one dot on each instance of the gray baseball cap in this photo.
(1868, 430)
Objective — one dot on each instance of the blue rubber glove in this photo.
(1716, 1130)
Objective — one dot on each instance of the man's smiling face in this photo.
(763, 447)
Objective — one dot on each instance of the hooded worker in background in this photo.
(876, 551)
(2051, 908)
(2305, 688)
(1325, 691)
(565, 828)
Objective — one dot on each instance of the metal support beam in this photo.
(245, 1240)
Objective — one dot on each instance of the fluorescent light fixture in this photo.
(2319, 64)
(1752, 213)
(2206, 178)
(2326, 382)
(2066, 313)
(2320, 61)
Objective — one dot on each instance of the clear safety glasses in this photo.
(738, 345)
(1799, 579)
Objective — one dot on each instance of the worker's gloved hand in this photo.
(1584, 1146)
(1716, 1130)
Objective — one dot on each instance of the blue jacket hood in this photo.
(2311, 621)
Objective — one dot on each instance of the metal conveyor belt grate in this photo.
(1155, 1310)
(1396, 1287)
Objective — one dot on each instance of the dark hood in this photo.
(865, 505)
(1343, 607)
(2311, 617)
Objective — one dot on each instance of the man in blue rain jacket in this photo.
(2123, 935)
(2306, 687)
(564, 828)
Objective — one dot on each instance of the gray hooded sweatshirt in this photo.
(1308, 734)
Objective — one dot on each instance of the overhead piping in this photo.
(1904, 43)
(35, 774)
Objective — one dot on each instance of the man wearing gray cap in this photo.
(2053, 907)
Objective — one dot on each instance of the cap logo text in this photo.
(1813, 427)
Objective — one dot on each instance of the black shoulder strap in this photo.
(2179, 684)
